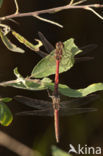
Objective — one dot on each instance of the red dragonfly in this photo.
(65, 108)
(55, 97)
(56, 105)
(80, 57)
(58, 57)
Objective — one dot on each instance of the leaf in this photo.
(7, 99)
(26, 83)
(26, 42)
(9, 44)
(1, 2)
(33, 85)
(67, 91)
(47, 66)
(58, 152)
(5, 113)
(36, 84)
(46, 83)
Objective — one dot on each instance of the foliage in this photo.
(5, 113)
(46, 83)
(12, 47)
(47, 65)
(58, 152)
(21, 39)
(9, 44)
(1, 2)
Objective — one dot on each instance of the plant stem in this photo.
(52, 10)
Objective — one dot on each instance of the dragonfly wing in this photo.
(41, 53)
(34, 103)
(87, 48)
(47, 112)
(79, 102)
(48, 46)
(80, 59)
(75, 111)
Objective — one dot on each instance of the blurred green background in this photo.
(85, 28)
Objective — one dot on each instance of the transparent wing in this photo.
(46, 112)
(34, 103)
(71, 107)
(48, 46)
(80, 59)
(77, 105)
(41, 53)
(86, 49)
(79, 102)
(75, 111)
(62, 112)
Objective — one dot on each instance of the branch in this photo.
(92, 10)
(71, 2)
(71, 5)
(17, 7)
(38, 81)
(16, 146)
(37, 13)
(79, 2)
(49, 21)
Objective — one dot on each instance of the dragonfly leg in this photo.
(49, 94)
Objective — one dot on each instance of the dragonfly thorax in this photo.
(56, 102)
(59, 50)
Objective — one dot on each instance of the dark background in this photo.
(85, 28)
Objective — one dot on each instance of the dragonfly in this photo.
(78, 58)
(58, 57)
(65, 108)
(55, 97)
(56, 105)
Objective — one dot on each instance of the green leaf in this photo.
(26, 83)
(5, 114)
(26, 42)
(36, 84)
(33, 85)
(1, 2)
(67, 91)
(47, 66)
(9, 44)
(46, 83)
(17, 74)
(58, 152)
(7, 99)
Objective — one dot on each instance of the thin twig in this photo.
(49, 21)
(17, 6)
(71, 2)
(52, 10)
(16, 146)
(79, 2)
(16, 81)
(92, 10)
